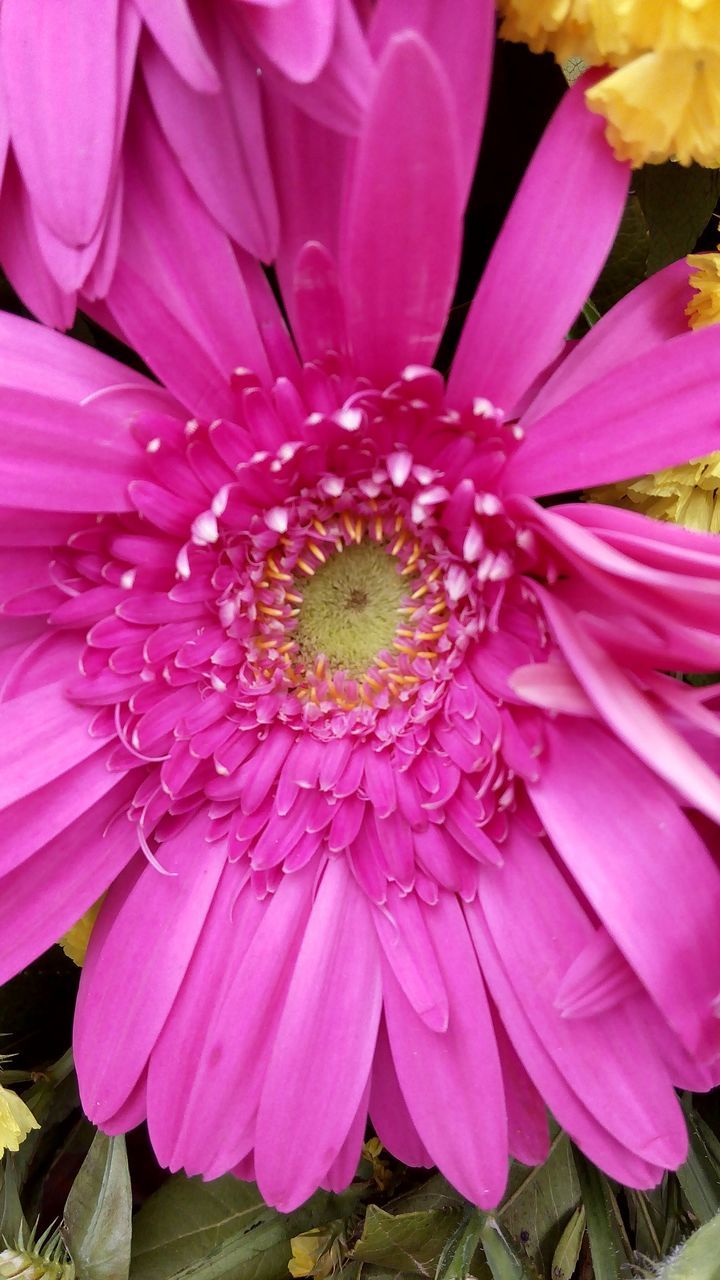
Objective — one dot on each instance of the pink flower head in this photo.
(198, 69)
(396, 811)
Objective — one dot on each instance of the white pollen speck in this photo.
(220, 500)
(182, 562)
(349, 419)
(220, 768)
(204, 528)
(277, 519)
(127, 579)
(518, 433)
(399, 465)
(153, 445)
(241, 372)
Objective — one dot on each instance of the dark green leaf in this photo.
(98, 1213)
(609, 1255)
(12, 1218)
(678, 203)
(407, 1242)
(223, 1230)
(462, 1254)
(539, 1203)
(699, 1177)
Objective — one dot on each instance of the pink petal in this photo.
(44, 735)
(401, 243)
(232, 177)
(655, 411)
(21, 258)
(230, 1067)
(140, 967)
(630, 714)
(296, 36)
(572, 178)
(409, 951)
(173, 29)
(646, 317)
(53, 888)
(65, 153)
(29, 823)
(39, 462)
(451, 1080)
(566, 1106)
(174, 1076)
(538, 927)
(319, 310)
(315, 1078)
(69, 370)
(462, 34)
(528, 1136)
(342, 1170)
(632, 860)
(388, 1111)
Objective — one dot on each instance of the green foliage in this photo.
(98, 1213)
(222, 1230)
(678, 204)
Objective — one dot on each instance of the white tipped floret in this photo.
(205, 529)
(277, 519)
(399, 465)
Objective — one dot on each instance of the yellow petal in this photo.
(561, 26)
(75, 942)
(16, 1121)
(663, 106)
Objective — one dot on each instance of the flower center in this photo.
(349, 613)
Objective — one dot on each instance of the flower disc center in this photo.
(349, 610)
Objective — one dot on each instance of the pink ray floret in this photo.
(447, 881)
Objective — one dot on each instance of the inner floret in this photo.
(349, 614)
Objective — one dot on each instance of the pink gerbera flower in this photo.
(397, 812)
(193, 67)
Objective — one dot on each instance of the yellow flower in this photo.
(75, 942)
(16, 1121)
(315, 1253)
(688, 494)
(661, 105)
(663, 101)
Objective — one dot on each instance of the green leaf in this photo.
(462, 1254)
(678, 203)
(539, 1202)
(223, 1230)
(12, 1218)
(699, 1177)
(698, 1258)
(502, 1259)
(98, 1213)
(567, 1253)
(609, 1255)
(408, 1242)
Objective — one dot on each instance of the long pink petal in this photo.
(630, 714)
(637, 861)
(530, 293)
(315, 1078)
(172, 27)
(538, 927)
(140, 966)
(69, 370)
(29, 823)
(462, 34)
(451, 1080)
(65, 152)
(401, 243)
(40, 465)
(44, 735)
(587, 1131)
(232, 176)
(647, 316)
(59, 882)
(655, 411)
(230, 1068)
(21, 258)
(296, 36)
(388, 1111)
